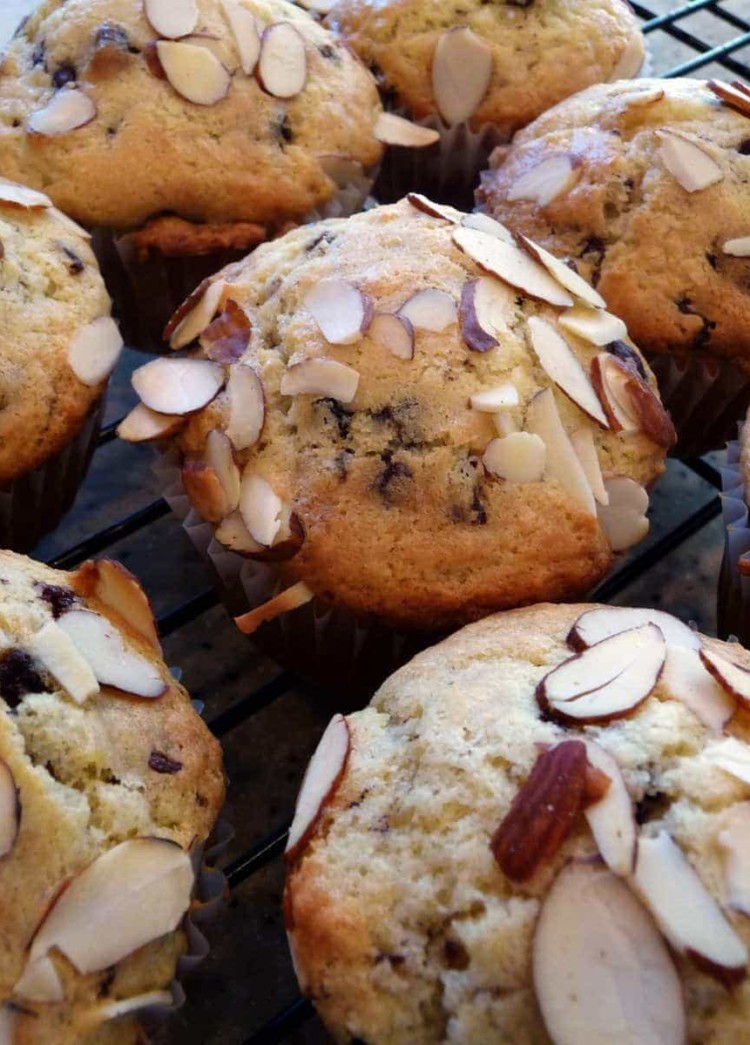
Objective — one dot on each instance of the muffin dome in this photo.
(499, 63)
(57, 342)
(379, 422)
(645, 186)
(110, 784)
(470, 862)
(120, 123)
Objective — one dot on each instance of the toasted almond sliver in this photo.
(461, 73)
(282, 66)
(94, 351)
(196, 321)
(20, 196)
(510, 264)
(564, 275)
(144, 426)
(737, 248)
(67, 110)
(395, 130)
(245, 31)
(593, 325)
(172, 18)
(194, 72)
(546, 181)
(288, 600)
(688, 161)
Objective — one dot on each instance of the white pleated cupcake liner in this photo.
(706, 397)
(330, 646)
(733, 601)
(33, 504)
(147, 290)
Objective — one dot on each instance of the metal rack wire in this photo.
(678, 24)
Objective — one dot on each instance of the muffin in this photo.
(58, 346)
(478, 72)
(393, 419)
(644, 187)
(171, 148)
(537, 832)
(110, 785)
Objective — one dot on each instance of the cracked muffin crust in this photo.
(430, 895)
(512, 60)
(94, 769)
(370, 413)
(178, 125)
(645, 186)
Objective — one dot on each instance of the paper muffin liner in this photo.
(706, 397)
(340, 653)
(733, 599)
(146, 289)
(33, 504)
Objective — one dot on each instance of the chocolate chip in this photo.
(323, 237)
(39, 54)
(455, 955)
(109, 34)
(343, 457)
(744, 147)
(330, 53)
(59, 599)
(624, 352)
(161, 763)
(478, 509)
(108, 978)
(342, 417)
(712, 260)
(63, 76)
(282, 130)
(519, 3)
(593, 245)
(703, 336)
(75, 265)
(18, 677)
(652, 806)
(685, 306)
(395, 473)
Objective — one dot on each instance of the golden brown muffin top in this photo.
(499, 63)
(645, 186)
(119, 122)
(463, 872)
(386, 430)
(57, 342)
(109, 786)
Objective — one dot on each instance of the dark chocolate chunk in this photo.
(282, 130)
(744, 147)
(395, 473)
(341, 416)
(109, 34)
(63, 76)
(624, 352)
(161, 763)
(18, 677)
(39, 54)
(59, 599)
(455, 955)
(75, 265)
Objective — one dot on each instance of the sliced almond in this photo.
(562, 464)
(322, 777)
(491, 227)
(226, 339)
(261, 508)
(519, 457)
(282, 66)
(245, 31)
(112, 661)
(318, 7)
(395, 130)
(732, 96)
(688, 161)
(53, 648)
(604, 621)
(343, 170)
(172, 18)
(647, 96)
(178, 386)
(607, 681)
(564, 275)
(340, 309)
(631, 59)
(20, 196)
(395, 333)
(10, 810)
(686, 679)
(728, 673)
(41, 983)
(321, 377)
(547, 180)
(118, 589)
(435, 210)
(247, 406)
(194, 72)
(511, 265)
(593, 325)
(94, 351)
(687, 914)
(233, 534)
(492, 400)
(561, 364)
(186, 327)
(631, 405)
(734, 839)
(205, 491)
(430, 309)
(145, 426)
(461, 73)
(602, 972)
(219, 457)
(67, 110)
(115, 1010)
(505, 423)
(611, 819)
(290, 599)
(132, 894)
(582, 441)
(730, 755)
(483, 312)
(737, 248)
(624, 519)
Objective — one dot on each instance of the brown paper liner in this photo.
(706, 397)
(146, 289)
(33, 504)
(341, 654)
(733, 597)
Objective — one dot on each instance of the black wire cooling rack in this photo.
(707, 38)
